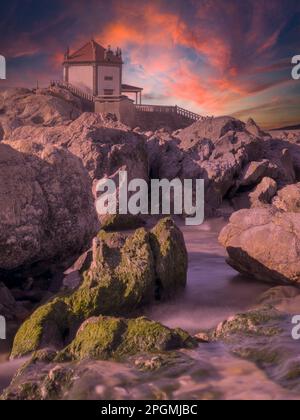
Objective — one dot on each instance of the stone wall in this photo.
(123, 108)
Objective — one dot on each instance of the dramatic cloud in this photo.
(212, 56)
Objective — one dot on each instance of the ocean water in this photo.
(214, 290)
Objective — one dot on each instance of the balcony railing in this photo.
(176, 110)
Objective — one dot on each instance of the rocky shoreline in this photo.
(75, 290)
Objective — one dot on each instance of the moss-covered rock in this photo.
(117, 222)
(171, 259)
(47, 325)
(125, 273)
(118, 338)
(255, 322)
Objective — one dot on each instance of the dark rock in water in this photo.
(171, 259)
(126, 272)
(47, 214)
(264, 243)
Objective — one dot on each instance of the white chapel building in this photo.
(97, 72)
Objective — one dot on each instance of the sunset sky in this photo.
(210, 56)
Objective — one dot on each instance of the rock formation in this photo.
(42, 107)
(125, 273)
(47, 215)
(263, 243)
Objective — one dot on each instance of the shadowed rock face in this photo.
(288, 198)
(264, 244)
(263, 193)
(47, 216)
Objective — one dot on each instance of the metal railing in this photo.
(73, 89)
(170, 110)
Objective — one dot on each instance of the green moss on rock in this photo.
(47, 324)
(255, 322)
(120, 279)
(170, 255)
(97, 338)
(118, 338)
(124, 275)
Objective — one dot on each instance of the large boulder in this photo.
(44, 107)
(47, 215)
(125, 273)
(118, 338)
(216, 150)
(143, 345)
(263, 243)
(105, 145)
(170, 256)
(210, 128)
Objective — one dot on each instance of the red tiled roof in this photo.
(91, 52)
